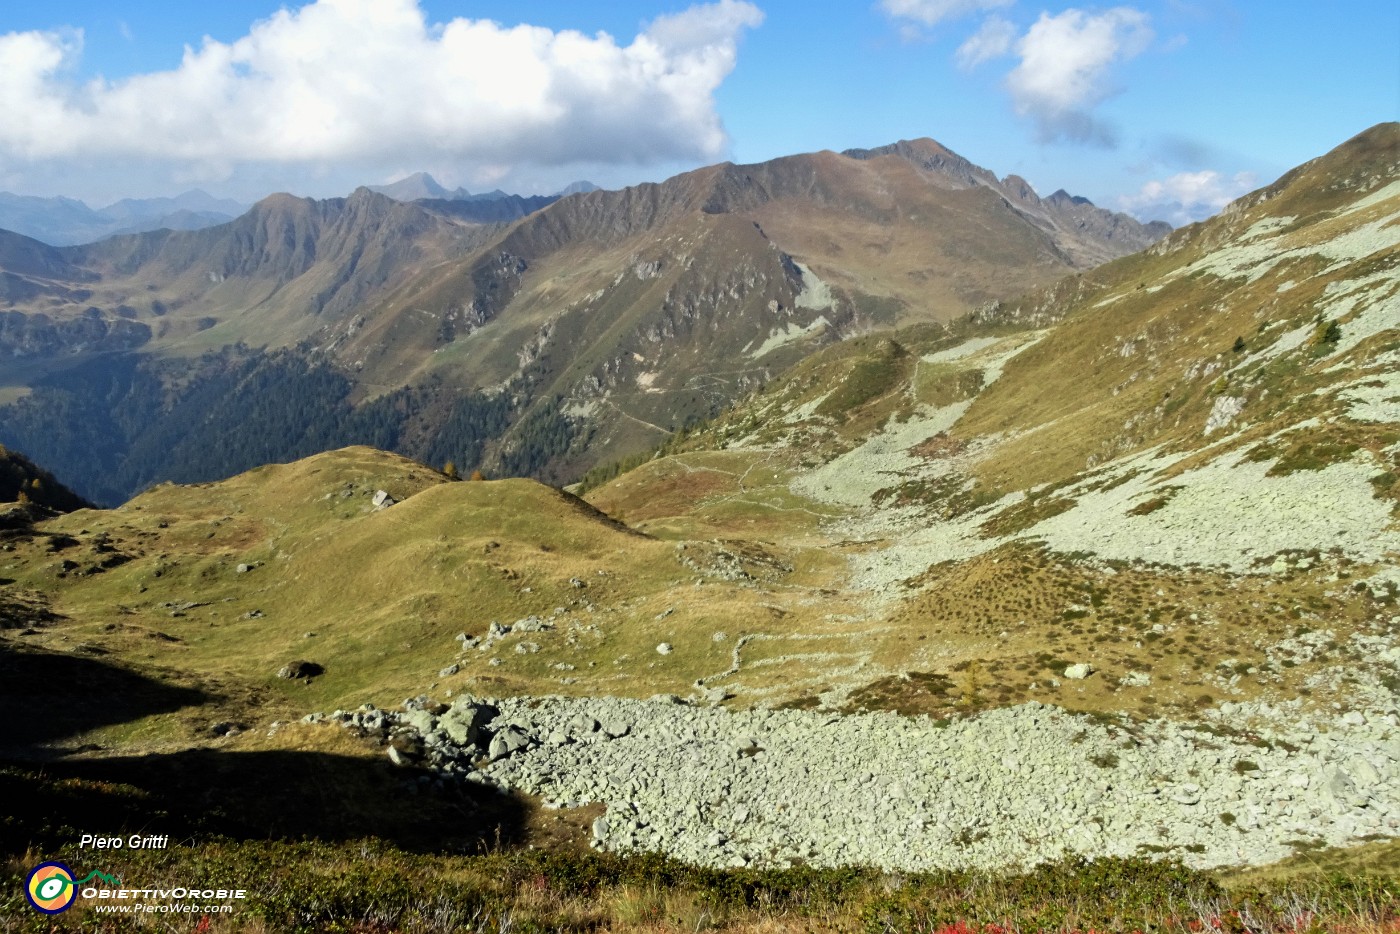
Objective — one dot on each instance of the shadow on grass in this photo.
(48, 798)
(289, 795)
(59, 695)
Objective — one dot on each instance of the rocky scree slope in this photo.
(1012, 787)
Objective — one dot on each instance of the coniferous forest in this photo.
(118, 424)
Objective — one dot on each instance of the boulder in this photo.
(1362, 772)
(531, 624)
(581, 727)
(1079, 671)
(507, 741)
(465, 719)
(421, 720)
(297, 670)
(1341, 791)
(664, 649)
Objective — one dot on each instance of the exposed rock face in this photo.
(1225, 411)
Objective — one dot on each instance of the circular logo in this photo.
(50, 888)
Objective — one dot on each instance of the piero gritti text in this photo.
(136, 841)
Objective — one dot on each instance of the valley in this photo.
(1081, 547)
(601, 322)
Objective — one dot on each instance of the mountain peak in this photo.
(580, 187)
(1063, 197)
(414, 187)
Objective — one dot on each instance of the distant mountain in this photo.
(568, 331)
(578, 188)
(191, 202)
(421, 186)
(417, 186)
(66, 222)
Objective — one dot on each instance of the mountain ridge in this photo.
(606, 318)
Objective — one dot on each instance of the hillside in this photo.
(23, 482)
(1176, 457)
(605, 320)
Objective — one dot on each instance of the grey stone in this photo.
(507, 741)
(465, 719)
(297, 670)
(1079, 671)
(531, 624)
(1363, 773)
(421, 720)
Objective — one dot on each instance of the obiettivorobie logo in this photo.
(51, 887)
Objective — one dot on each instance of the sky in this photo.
(1166, 109)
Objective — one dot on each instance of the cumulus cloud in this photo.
(993, 40)
(931, 12)
(1187, 196)
(372, 81)
(1065, 67)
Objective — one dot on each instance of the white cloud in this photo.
(372, 81)
(991, 41)
(1187, 196)
(931, 12)
(1064, 69)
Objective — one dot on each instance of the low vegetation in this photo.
(367, 886)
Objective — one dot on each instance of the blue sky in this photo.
(1166, 108)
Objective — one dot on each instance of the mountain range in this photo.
(60, 221)
(421, 186)
(65, 222)
(589, 328)
(1080, 601)
(1119, 550)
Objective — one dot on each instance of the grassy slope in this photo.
(1131, 355)
(376, 597)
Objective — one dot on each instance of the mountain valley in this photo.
(913, 522)
(603, 321)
